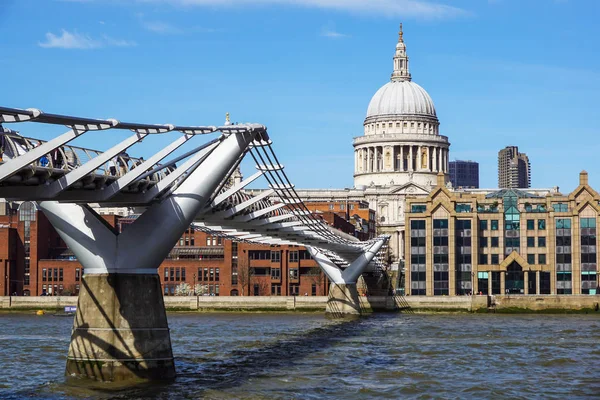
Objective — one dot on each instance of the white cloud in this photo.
(161, 27)
(333, 34)
(390, 8)
(68, 40)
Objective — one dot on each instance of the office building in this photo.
(464, 174)
(514, 170)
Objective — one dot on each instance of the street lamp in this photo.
(194, 284)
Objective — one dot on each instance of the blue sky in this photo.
(501, 72)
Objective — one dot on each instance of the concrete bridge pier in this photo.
(120, 332)
(343, 299)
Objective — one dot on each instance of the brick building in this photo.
(35, 261)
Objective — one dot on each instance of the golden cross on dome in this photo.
(400, 39)
(227, 117)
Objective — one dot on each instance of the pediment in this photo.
(440, 196)
(440, 211)
(587, 209)
(410, 188)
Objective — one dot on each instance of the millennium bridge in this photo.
(120, 331)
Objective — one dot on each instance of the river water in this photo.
(307, 356)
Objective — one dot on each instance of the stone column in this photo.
(447, 161)
(370, 159)
(401, 158)
(439, 159)
(419, 150)
(410, 157)
(489, 283)
(525, 282)
(502, 282)
(434, 160)
(537, 282)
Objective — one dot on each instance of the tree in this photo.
(318, 277)
(200, 289)
(183, 289)
(245, 274)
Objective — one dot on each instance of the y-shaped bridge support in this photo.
(343, 294)
(120, 331)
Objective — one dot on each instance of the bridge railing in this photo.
(67, 158)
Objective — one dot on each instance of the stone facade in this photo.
(503, 242)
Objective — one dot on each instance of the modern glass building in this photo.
(509, 241)
(464, 174)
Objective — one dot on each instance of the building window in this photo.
(495, 241)
(495, 260)
(313, 290)
(294, 289)
(331, 206)
(560, 207)
(463, 266)
(275, 273)
(417, 258)
(293, 256)
(483, 242)
(293, 273)
(542, 241)
(418, 208)
(276, 290)
(531, 259)
(166, 275)
(564, 283)
(542, 259)
(462, 208)
(530, 241)
(217, 273)
(55, 275)
(60, 274)
(172, 273)
(541, 224)
(494, 224)
(588, 256)
(275, 256)
(483, 259)
(483, 225)
(212, 274)
(440, 257)
(177, 274)
(482, 282)
(77, 276)
(45, 275)
(205, 277)
(530, 224)
(183, 274)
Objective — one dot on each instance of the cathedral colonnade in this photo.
(401, 158)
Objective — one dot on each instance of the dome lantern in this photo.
(401, 71)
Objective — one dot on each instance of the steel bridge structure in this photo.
(120, 332)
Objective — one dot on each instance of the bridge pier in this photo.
(343, 300)
(120, 332)
(343, 294)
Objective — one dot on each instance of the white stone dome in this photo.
(398, 98)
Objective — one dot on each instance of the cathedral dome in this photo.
(401, 97)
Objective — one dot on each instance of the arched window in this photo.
(234, 292)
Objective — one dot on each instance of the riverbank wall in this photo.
(500, 304)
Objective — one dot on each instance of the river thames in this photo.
(307, 356)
